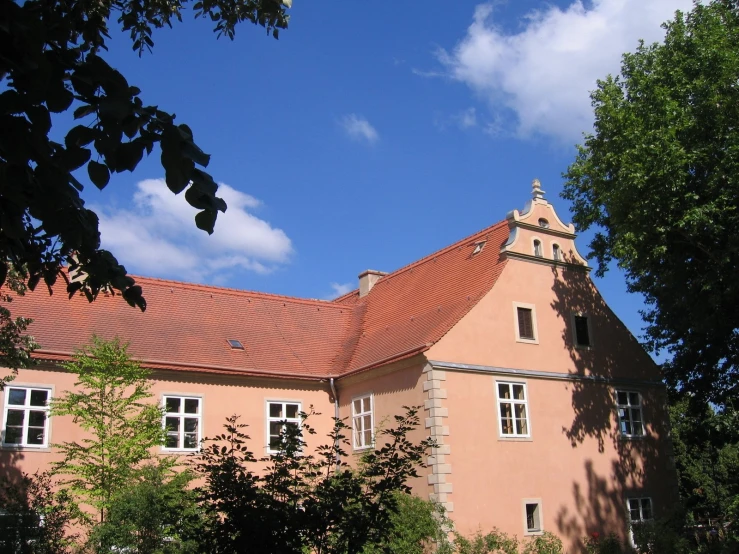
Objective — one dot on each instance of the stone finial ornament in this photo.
(536, 190)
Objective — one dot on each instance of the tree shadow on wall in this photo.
(10, 472)
(623, 467)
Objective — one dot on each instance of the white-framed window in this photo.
(524, 316)
(630, 419)
(556, 252)
(26, 416)
(640, 510)
(513, 410)
(363, 421)
(533, 520)
(183, 417)
(537, 248)
(582, 333)
(279, 415)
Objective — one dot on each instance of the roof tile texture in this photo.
(187, 326)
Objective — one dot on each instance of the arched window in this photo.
(537, 248)
(556, 253)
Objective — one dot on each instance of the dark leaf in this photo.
(83, 111)
(73, 288)
(99, 174)
(60, 99)
(128, 155)
(206, 220)
(74, 158)
(33, 280)
(79, 135)
(40, 118)
(83, 85)
(133, 295)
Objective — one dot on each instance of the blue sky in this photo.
(369, 135)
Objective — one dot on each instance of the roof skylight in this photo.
(235, 344)
(478, 247)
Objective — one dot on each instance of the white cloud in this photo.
(466, 119)
(542, 74)
(158, 236)
(340, 289)
(358, 128)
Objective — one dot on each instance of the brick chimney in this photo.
(367, 280)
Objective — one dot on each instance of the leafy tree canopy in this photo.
(113, 404)
(659, 181)
(53, 62)
(310, 503)
(706, 450)
(15, 345)
(155, 513)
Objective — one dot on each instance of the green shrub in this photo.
(610, 544)
(661, 536)
(495, 542)
(156, 514)
(35, 520)
(418, 526)
(547, 543)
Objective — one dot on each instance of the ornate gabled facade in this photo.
(547, 412)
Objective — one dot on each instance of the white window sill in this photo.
(21, 448)
(528, 341)
(534, 533)
(515, 438)
(180, 450)
(363, 448)
(631, 437)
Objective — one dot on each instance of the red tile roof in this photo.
(186, 326)
(412, 308)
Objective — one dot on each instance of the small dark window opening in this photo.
(478, 247)
(236, 344)
(543, 223)
(582, 333)
(556, 253)
(537, 249)
(533, 523)
(525, 324)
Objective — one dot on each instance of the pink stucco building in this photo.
(548, 413)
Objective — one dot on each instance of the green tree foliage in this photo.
(706, 450)
(34, 519)
(497, 542)
(156, 513)
(53, 63)
(494, 542)
(111, 403)
(417, 526)
(546, 543)
(305, 502)
(610, 544)
(15, 346)
(659, 180)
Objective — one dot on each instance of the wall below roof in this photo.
(392, 386)
(222, 396)
(574, 461)
(487, 334)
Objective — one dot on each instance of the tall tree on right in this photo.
(658, 180)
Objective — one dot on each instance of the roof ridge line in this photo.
(237, 292)
(441, 251)
(346, 295)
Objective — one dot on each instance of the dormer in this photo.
(537, 234)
